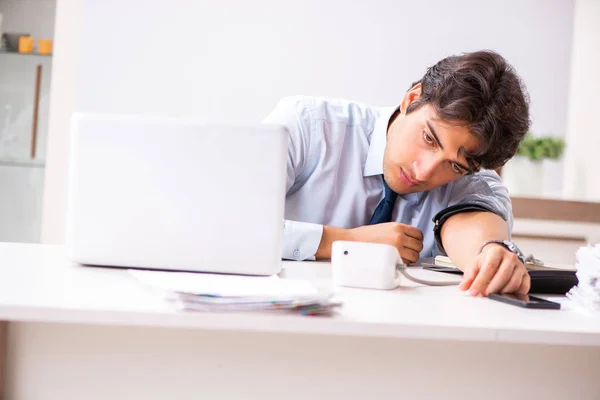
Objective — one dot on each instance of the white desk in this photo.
(95, 333)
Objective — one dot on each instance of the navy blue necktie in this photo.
(383, 212)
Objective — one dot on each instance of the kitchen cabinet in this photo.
(24, 100)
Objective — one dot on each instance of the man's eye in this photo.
(457, 169)
(427, 137)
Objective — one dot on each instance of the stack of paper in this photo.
(586, 295)
(217, 292)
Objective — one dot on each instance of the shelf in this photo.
(27, 163)
(556, 209)
(16, 53)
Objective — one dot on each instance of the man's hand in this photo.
(496, 270)
(407, 239)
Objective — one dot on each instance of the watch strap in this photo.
(507, 245)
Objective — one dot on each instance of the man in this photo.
(383, 175)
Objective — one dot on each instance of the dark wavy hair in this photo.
(482, 91)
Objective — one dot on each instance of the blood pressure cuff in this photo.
(446, 213)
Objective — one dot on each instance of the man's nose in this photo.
(425, 166)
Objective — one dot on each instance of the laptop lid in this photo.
(173, 194)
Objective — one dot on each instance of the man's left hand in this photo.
(496, 270)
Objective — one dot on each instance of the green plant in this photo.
(538, 148)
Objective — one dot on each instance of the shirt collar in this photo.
(374, 161)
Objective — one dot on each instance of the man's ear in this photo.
(412, 95)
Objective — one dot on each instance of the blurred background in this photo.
(231, 61)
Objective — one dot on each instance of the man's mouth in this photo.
(408, 180)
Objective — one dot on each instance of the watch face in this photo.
(511, 246)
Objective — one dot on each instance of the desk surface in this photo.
(38, 284)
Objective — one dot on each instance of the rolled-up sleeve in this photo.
(300, 239)
(484, 188)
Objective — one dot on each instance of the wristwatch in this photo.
(508, 244)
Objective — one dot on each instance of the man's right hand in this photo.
(407, 239)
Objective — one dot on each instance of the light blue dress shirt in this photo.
(334, 168)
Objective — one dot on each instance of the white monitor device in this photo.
(177, 195)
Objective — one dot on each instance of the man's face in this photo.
(423, 152)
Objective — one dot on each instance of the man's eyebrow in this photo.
(470, 161)
(435, 136)
(437, 139)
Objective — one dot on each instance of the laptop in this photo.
(168, 194)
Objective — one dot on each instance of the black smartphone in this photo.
(525, 300)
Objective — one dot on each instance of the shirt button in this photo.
(296, 253)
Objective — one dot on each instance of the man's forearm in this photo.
(463, 235)
(330, 235)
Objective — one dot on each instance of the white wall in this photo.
(63, 101)
(583, 140)
(232, 60)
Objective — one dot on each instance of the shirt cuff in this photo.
(300, 240)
